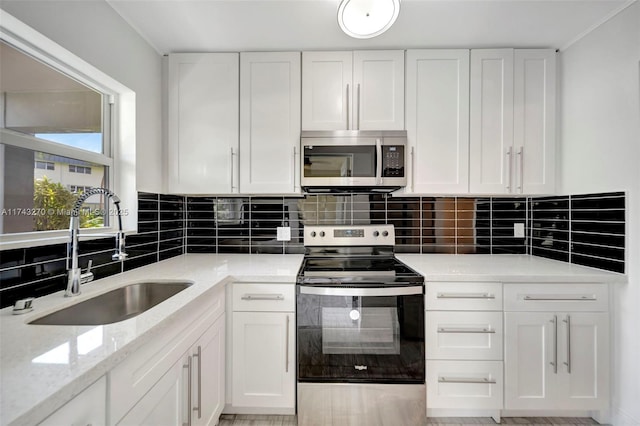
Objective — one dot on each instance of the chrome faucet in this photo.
(75, 274)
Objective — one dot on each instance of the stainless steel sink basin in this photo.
(116, 305)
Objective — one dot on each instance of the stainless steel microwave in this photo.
(353, 160)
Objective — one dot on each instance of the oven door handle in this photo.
(362, 291)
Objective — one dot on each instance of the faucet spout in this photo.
(75, 277)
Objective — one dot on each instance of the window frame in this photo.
(119, 131)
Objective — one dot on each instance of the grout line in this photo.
(569, 217)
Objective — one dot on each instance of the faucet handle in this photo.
(89, 265)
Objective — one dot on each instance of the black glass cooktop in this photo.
(355, 265)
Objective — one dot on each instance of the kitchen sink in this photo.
(116, 305)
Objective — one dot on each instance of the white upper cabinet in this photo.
(437, 118)
(203, 105)
(534, 119)
(269, 122)
(491, 121)
(512, 122)
(362, 90)
(378, 81)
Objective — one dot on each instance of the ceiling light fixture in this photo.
(367, 18)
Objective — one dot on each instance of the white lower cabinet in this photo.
(171, 402)
(464, 384)
(87, 408)
(178, 377)
(557, 359)
(464, 347)
(263, 360)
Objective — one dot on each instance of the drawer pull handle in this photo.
(481, 380)
(566, 297)
(466, 296)
(484, 330)
(263, 297)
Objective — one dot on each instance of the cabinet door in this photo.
(165, 403)
(438, 120)
(534, 121)
(263, 359)
(378, 84)
(491, 121)
(530, 350)
(583, 351)
(203, 123)
(269, 122)
(327, 90)
(88, 407)
(209, 375)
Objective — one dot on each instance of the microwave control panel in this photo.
(392, 161)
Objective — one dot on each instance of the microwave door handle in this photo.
(378, 162)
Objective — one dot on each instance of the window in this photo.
(52, 123)
(80, 169)
(44, 165)
(77, 188)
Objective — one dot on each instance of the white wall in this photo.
(600, 151)
(93, 31)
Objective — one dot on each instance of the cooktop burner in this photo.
(348, 255)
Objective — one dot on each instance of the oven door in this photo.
(372, 334)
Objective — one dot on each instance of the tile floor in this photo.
(259, 420)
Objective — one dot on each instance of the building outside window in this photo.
(55, 145)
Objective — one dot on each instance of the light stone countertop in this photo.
(513, 268)
(42, 367)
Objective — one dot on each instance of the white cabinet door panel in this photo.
(530, 348)
(534, 120)
(327, 90)
(211, 374)
(203, 123)
(269, 122)
(463, 335)
(263, 359)
(491, 121)
(378, 84)
(437, 120)
(583, 349)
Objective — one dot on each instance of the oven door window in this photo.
(361, 338)
(339, 161)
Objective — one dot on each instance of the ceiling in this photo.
(246, 25)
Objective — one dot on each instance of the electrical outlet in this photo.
(518, 230)
(283, 233)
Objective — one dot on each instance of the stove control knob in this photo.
(385, 233)
(322, 233)
(376, 233)
(313, 233)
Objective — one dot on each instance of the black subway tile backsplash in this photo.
(583, 229)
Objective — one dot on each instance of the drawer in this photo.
(468, 384)
(554, 297)
(463, 296)
(463, 335)
(256, 297)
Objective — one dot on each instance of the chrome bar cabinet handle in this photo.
(358, 110)
(482, 330)
(521, 169)
(465, 296)
(481, 380)
(293, 172)
(560, 297)
(568, 362)
(555, 344)
(510, 173)
(232, 157)
(348, 109)
(413, 168)
(199, 356)
(263, 297)
(286, 349)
